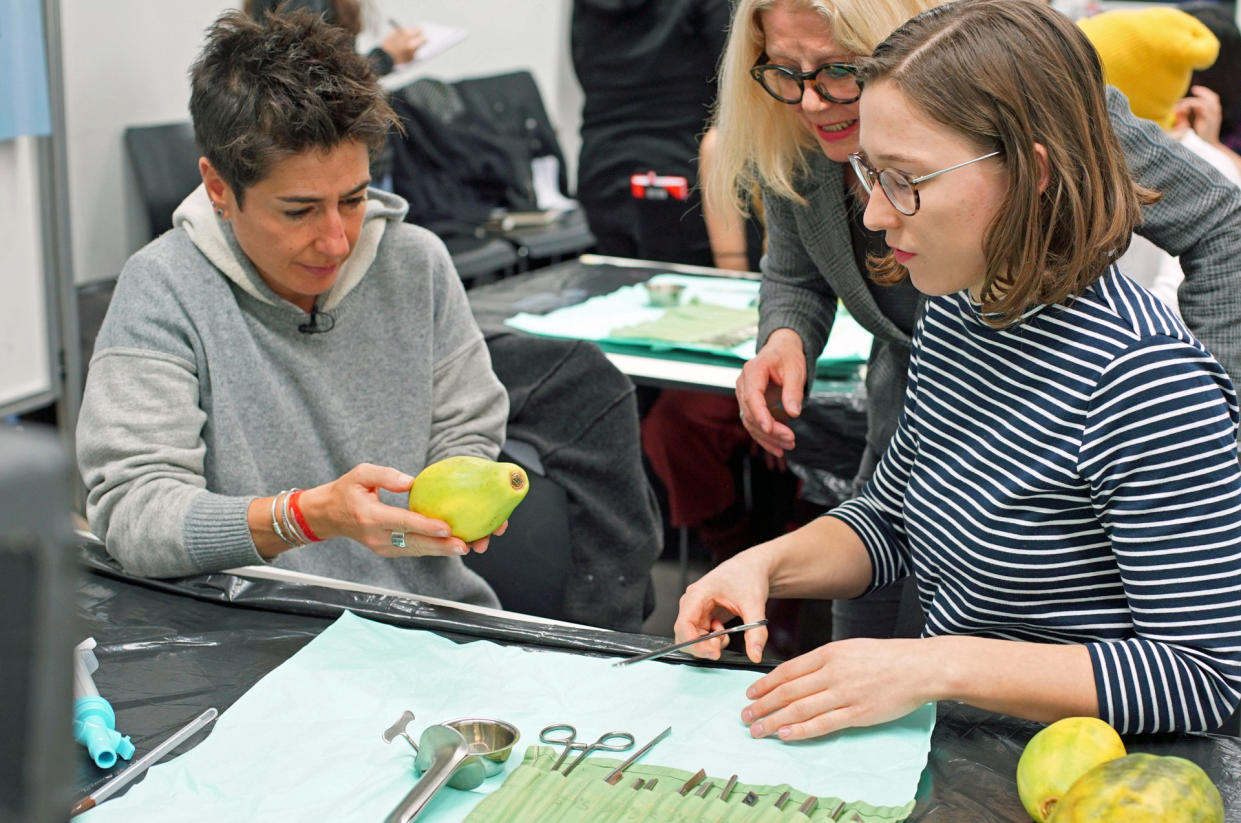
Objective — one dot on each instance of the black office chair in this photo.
(165, 160)
(92, 299)
(481, 260)
(466, 155)
(510, 104)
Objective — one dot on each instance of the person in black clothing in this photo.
(647, 69)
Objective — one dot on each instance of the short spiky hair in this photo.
(264, 91)
(1007, 74)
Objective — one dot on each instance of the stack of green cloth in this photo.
(533, 793)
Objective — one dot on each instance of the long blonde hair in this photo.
(761, 140)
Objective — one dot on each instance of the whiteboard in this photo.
(25, 368)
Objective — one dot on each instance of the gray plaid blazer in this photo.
(809, 260)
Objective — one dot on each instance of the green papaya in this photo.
(472, 495)
(1058, 755)
(1142, 788)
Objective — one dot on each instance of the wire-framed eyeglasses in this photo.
(834, 82)
(899, 187)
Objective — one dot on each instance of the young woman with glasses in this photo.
(787, 120)
(1063, 482)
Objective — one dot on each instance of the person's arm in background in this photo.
(398, 46)
(725, 225)
(1198, 220)
(1201, 112)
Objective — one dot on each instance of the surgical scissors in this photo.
(565, 735)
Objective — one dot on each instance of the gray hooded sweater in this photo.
(203, 394)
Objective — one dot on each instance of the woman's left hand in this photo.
(856, 682)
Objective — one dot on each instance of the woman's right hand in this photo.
(737, 587)
(402, 44)
(770, 390)
(350, 507)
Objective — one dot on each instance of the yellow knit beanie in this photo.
(1150, 54)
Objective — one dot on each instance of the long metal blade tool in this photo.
(614, 776)
(678, 646)
(123, 778)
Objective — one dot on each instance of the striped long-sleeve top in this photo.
(1074, 479)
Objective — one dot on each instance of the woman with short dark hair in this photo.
(291, 330)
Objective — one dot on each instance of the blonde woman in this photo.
(787, 119)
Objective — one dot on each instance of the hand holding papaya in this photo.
(350, 507)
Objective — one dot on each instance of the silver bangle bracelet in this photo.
(290, 524)
(275, 524)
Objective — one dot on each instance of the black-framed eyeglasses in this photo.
(899, 187)
(834, 82)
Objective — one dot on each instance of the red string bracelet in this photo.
(301, 520)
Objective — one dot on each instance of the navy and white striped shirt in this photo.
(1073, 479)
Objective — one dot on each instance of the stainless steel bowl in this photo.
(664, 295)
(491, 740)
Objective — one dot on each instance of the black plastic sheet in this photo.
(168, 650)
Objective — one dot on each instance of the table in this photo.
(169, 650)
(574, 281)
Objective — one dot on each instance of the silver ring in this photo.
(398, 540)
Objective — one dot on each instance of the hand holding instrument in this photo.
(666, 650)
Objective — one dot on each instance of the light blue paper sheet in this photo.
(594, 319)
(304, 743)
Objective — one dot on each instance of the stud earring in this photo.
(219, 211)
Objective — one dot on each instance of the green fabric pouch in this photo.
(532, 793)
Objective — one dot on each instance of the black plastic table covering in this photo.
(170, 649)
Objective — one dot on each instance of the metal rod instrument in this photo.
(140, 765)
(657, 653)
(614, 776)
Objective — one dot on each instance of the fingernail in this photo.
(785, 732)
(405, 478)
(747, 716)
(750, 693)
(443, 533)
(757, 730)
(463, 549)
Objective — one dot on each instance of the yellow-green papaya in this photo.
(1142, 788)
(1058, 755)
(472, 495)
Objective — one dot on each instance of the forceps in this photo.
(565, 735)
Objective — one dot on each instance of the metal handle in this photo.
(449, 749)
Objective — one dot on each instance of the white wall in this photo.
(24, 368)
(125, 63)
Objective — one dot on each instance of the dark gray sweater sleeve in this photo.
(1199, 220)
(794, 294)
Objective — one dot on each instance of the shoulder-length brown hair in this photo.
(1008, 74)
